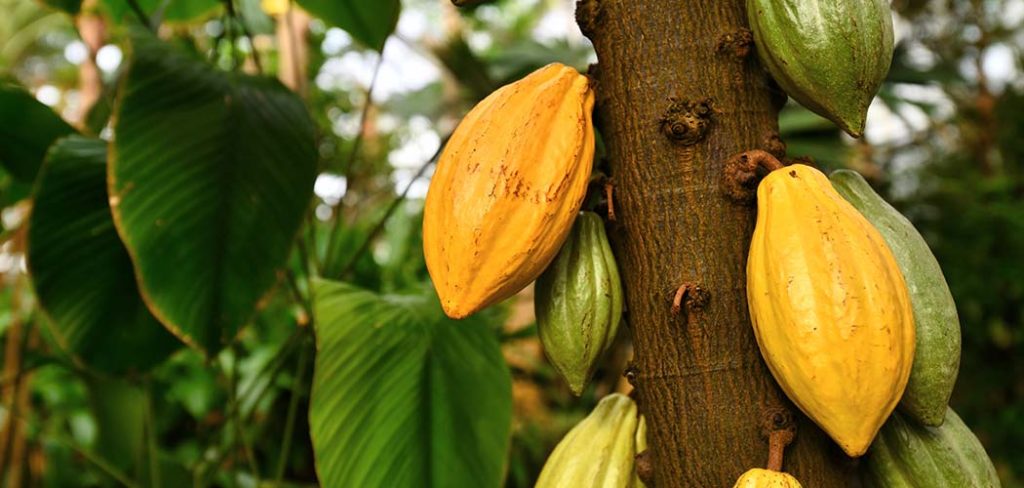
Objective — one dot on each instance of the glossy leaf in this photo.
(27, 128)
(403, 396)
(81, 271)
(367, 22)
(176, 10)
(69, 6)
(210, 178)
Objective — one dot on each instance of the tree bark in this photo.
(679, 92)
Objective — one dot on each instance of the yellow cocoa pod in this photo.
(507, 188)
(765, 478)
(599, 452)
(274, 7)
(829, 306)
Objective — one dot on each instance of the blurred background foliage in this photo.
(385, 82)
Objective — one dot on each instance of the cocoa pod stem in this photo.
(741, 173)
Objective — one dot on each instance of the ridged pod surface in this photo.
(578, 302)
(599, 451)
(829, 55)
(766, 478)
(907, 455)
(829, 306)
(507, 188)
(937, 354)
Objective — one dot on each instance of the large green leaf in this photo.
(69, 6)
(403, 396)
(81, 271)
(369, 22)
(210, 177)
(27, 128)
(177, 10)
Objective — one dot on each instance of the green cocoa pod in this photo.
(907, 455)
(578, 302)
(937, 356)
(829, 55)
(599, 452)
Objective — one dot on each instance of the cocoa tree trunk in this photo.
(679, 92)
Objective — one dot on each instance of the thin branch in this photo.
(293, 285)
(88, 454)
(14, 358)
(140, 14)
(307, 249)
(154, 460)
(332, 240)
(158, 14)
(293, 407)
(391, 210)
(99, 462)
(236, 418)
(255, 392)
(237, 16)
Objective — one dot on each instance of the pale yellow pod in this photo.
(507, 188)
(829, 306)
(764, 478)
(599, 452)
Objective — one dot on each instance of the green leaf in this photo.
(367, 22)
(403, 396)
(210, 177)
(120, 411)
(176, 11)
(255, 18)
(81, 271)
(69, 6)
(27, 128)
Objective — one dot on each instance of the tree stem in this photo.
(672, 108)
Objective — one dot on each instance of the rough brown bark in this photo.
(679, 92)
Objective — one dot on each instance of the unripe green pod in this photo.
(578, 302)
(600, 451)
(907, 455)
(937, 355)
(829, 55)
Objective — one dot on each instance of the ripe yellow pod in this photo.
(507, 188)
(766, 478)
(829, 306)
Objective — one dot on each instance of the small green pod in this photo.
(600, 451)
(907, 455)
(831, 56)
(937, 356)
(578, 302)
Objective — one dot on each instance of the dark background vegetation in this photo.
(943, 143)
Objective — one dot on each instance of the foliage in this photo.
(210, 175)
(309, 310)
(23, 145)
(72, 241)
(440, 393)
